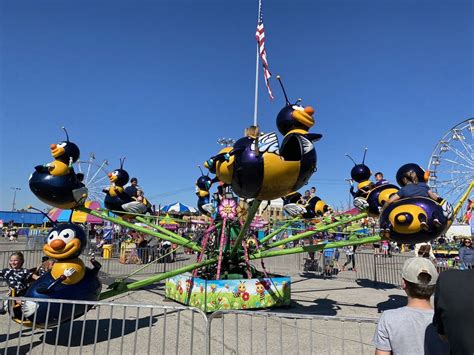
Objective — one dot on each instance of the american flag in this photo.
(260, 35)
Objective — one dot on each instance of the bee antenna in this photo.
(347, 155)
(283, 88)
(365, 152)
(297, 101)
(67, 135)
(199, 166)
(44, 214)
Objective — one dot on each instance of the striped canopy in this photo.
(59, 215)
(178, 207)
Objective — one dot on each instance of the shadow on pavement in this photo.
(394, 301)
(375, 285)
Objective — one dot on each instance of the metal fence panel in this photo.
(379, 269)
(109, 328)
(367, 267)
(239, 332)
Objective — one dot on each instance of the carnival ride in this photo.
(254, 169)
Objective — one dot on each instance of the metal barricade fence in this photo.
(108, 328)
(367, 266)
(378, 269)
(241, 332)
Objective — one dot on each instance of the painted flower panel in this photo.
(228, 208)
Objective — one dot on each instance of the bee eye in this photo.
(52, 235)
(297, 107)
(62, 145)
(67, 235)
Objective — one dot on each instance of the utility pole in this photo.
(15, 189)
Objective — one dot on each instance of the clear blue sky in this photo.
(160, 81)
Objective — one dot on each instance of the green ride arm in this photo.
(165, 231)
(316, 247)
(153, 279)
(285, 226)
(317, 230)
(121, 222)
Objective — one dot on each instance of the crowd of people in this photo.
(10, 233)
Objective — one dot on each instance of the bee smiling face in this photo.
(119, 177)
(66, 150)
(295, 116)
(303, 115)
(64, 242)
(58, 149)
(113, 176)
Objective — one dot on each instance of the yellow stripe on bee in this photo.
(385, 195)
(319, 208)
(60, 266)
(203, 193)
(279, 177)
(225, 169)
(414, 211)
(58, 168)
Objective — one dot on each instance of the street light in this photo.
(14, 196)
(226, 141)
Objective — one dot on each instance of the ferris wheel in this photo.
(452, 162)
(95, 176)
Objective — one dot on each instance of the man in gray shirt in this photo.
(409, 330)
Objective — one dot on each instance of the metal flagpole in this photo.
(255, 110)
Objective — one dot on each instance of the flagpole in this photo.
(255, 109)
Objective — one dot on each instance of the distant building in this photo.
(274, 212)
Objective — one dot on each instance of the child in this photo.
(45, 266)
(385, 248)
(17, 277)
(408, 330)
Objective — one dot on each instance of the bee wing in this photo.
(294, 210)
(307, 145)
(268, 143)
(28, 308)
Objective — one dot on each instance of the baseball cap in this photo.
(415, 266)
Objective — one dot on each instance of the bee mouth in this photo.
(303, 118)
(69, 250)
(57, 152)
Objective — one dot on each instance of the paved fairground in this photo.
(329, 315)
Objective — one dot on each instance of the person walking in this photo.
(350, 257)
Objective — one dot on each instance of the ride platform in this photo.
(237, 294)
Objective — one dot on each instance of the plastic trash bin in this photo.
(107, 251)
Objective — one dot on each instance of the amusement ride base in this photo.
(215, 295)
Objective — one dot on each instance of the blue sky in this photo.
(160, 81)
